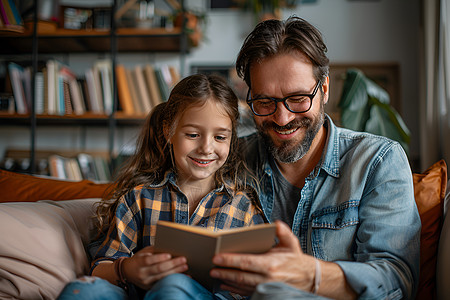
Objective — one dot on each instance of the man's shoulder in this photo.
(350, 139)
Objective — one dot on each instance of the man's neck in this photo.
(297, 172)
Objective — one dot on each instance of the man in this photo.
(347, 196)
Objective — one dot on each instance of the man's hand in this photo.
(286, 262)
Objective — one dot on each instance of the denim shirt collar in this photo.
(330, 157)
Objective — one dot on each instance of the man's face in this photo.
(289, 135)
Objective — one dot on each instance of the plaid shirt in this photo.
(139, 210)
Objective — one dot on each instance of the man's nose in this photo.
(282, 116)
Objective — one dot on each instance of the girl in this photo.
(186, 169)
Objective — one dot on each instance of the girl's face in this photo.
(201, 143)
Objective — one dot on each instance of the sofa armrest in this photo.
(43, 246)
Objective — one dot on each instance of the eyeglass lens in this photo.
(267, 106)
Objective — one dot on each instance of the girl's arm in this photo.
(142, 269)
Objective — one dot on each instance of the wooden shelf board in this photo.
(88, 119)
(80, 41)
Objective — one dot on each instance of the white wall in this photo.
(354, 31)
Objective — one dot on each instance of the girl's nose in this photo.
(207, 145)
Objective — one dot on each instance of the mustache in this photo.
(301, 123)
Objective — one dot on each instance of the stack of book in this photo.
(144, 86)
(10, 19)
(83, 166)
(58, 91)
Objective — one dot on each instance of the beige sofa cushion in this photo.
(43, 246)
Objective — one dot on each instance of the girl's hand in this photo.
(145, 267)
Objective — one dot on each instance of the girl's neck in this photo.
(195, 191)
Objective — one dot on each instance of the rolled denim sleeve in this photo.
(386, 258)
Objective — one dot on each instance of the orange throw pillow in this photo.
(17, 187)
(429, 191)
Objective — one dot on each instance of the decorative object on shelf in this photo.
(267, 9)
(195, 23)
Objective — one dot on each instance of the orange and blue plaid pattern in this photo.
(139, 210)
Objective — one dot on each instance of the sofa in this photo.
(45, 225)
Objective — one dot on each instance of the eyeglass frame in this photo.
(277, 100)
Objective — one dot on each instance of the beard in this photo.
(292, 151)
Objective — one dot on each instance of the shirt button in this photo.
(338, 222)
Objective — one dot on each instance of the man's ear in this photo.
(326, 89)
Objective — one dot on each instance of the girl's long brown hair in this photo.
(152, 158)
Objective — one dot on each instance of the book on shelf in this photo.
(10, 17)
(72, 169)
(52, 67)
(39, 92)
(57, 166)
(16, 74)
(199, 245)
(26, 77)
(102, 168)
(131, 79)
(123, 90)
(142, 90)
(87, 166)
(103, 69)
(93, 89)
(152, 84)
(45, 100)
(175, 75)
(73, 96)
(162, 84)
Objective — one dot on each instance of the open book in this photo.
(199, 245)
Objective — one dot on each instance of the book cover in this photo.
(93, 86)
(6, 21)
(123, 90)
(52, 78)
(39, 92)
(133, 90)
(101, 165)
(68, 108)
(162, 84)
(77, 97)
(60, 101)
(87, 166)
(152, 84)
(199, 245)
(144, 96)
(17, 18)
(26, 79)
(57, 166)
(104, 68)
(16, 75)
(175, 75)
(9, 12)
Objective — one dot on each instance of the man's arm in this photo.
(286, 262)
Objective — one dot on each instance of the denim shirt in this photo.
(356, 209)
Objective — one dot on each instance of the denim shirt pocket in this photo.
(333, 231)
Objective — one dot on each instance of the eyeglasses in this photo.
(299, 103)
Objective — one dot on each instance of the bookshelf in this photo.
(41, 39)
(81, 41)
